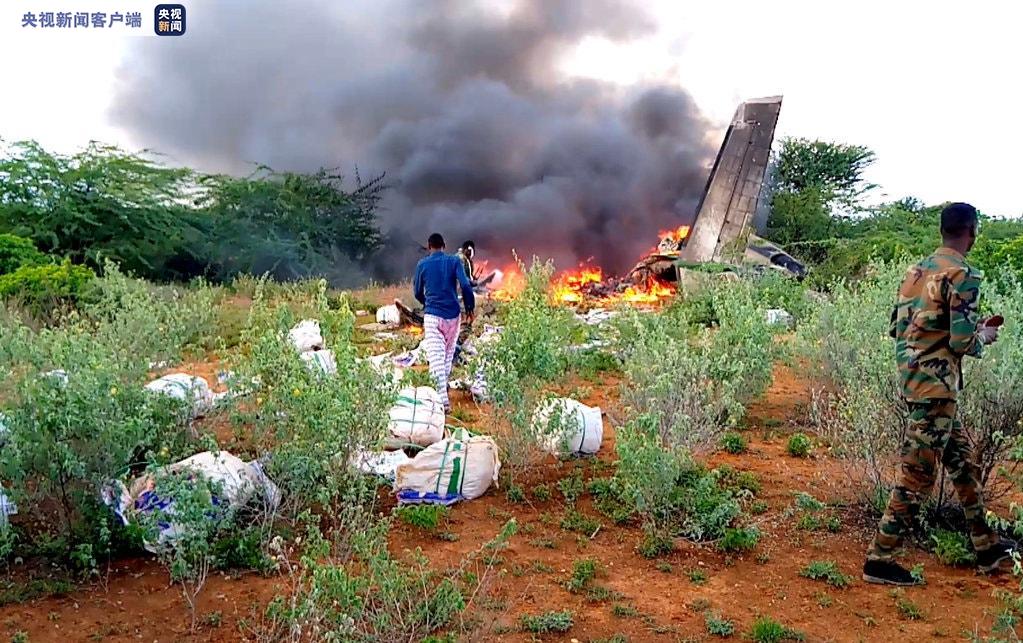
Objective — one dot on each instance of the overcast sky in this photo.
(927, 85)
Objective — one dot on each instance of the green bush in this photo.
(827, 571)
(952, 548)
(718, 626)
(44, 287)
(425, 517)
(16, 252)
(799, 445)
(767, 630)
(739, 539)
(734, 442)
(548, 622)
(583, 573)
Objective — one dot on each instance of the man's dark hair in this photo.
(435, 242)
(957, 219)
(469, 244)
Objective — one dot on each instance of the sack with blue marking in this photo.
(460, 467)
(564, 427)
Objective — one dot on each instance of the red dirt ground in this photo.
(136, 603)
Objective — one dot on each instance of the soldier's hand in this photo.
(988, 334)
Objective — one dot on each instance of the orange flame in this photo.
(568, 286)
(677, 235)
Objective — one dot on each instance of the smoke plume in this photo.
(460, 103)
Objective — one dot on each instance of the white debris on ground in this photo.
(409, 358)
(238, 481)
(379, 463)
(417, 417)
(460, 467)
(193, 390)
(388, 316)
(779, 317)
(384, 336)
(383, 364)
(590, 345)
(7, 506)
(566, 427)
(58, 374)
(596, 316)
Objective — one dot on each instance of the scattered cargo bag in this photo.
(306, 336)
(7, 508)
(779, 317)
(193, 390)
(566, 427)
(238, 483)
(384, 365)
(418, 416)
(320, 361)
(461, 467)
(379, 463)
(388, 315)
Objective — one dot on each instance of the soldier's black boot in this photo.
(992, 558)
(886, 572)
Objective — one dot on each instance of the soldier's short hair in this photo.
(957, 218)
(435, 242)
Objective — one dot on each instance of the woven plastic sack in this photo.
(461, 467)
(320, 361)
(565, 427)
(388, 315)
(306, 336)
(193, 390)
(418, 416)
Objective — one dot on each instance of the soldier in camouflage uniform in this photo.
(935, 324)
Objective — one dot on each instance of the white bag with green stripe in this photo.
(193, 390)
(320, 361)
(418, 416)
(462, 467)
(565, 427)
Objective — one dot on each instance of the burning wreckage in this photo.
(722, 233)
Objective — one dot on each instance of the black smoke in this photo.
(460, 103)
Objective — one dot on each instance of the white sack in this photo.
(380, 463)
(320, 361)
(388, 315)
(780, 317)
(418, 416)
(461, 467)
(306, 336)
(566, 427)
(193, 390)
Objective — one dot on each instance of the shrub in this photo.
(548, 622)
(733, 442)
(739, 540)
(45, 287)
(799, 445)
(718, 626)
(425, 517)
(583, 573)
(16, 252)
(952, 548)
(827, 571)
(767, 630)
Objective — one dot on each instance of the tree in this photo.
(835, 170)
(100, 202)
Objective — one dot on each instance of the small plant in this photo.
(697, 576)
(654, 545)
(833, 524)
(425, 517)
(579, 523)
(768, 630)
(909, 609)
(808, 522)
(542, 492)
(717, 626)
(601, 594)
(548, 622)
(806, 502)
(827, 571)
(917, 573)
(759, 507)
(543, 543)
(617, 638)
(572, 487)
(20, 636)
(665, 567)
(739, 539)
(734, 442)
(515, 494)
(823, 599)
(622, 610)
(583, 573)
(213, 619)
(952, 548)
(799, 445)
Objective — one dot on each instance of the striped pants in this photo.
(439, 339)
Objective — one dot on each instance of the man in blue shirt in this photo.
(435, 286)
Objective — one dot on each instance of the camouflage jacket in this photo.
(934, 324)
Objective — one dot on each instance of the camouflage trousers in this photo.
(933, 433)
